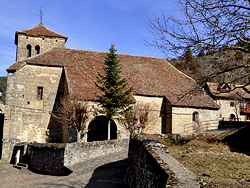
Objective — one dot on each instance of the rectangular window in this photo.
(232, 104)
(39, 93)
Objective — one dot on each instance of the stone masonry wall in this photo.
(225, 109)
(164, 118)
(157, 113)
(45, 44)
(149, 165)
(182, 120)
(52, 158)
(27, 117)
(46, 158)
(78, 152)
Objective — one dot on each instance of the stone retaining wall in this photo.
(149, 165)
(52, 158)
(78, 152)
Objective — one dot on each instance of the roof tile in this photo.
(149, 76)
(40, 30)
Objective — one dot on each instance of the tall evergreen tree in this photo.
(116, 99)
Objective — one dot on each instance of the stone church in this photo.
(45, 70)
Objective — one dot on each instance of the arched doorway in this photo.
(98, 129)
(232, 117)
(195, 118)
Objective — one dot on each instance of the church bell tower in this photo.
(36, 40)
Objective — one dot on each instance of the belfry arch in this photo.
(98, 129)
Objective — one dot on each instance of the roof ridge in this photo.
(116, 53)
(41, 25)
(51, 30)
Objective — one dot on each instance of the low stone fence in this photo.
(52, 158)
(149, 165)
(77, 152)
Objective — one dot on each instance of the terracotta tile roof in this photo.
(149, 76)
(234, 92)
(40, 30)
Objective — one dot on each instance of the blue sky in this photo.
(88, 24)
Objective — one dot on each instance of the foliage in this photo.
(188, 57)
(201, 54)
(239, 55)
(137, 118)
(3, 86)
(73, 112)
(116, 100)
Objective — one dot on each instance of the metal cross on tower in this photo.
(41, 14)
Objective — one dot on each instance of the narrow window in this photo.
(232, 104)
(39, 93)
(37, 48)
(28, 50)
(196, 117)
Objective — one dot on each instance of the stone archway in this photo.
(232, 117)
(98, 129)
(196, 121)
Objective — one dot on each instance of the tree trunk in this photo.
(79, 133)
(109, 130)
(65, 134)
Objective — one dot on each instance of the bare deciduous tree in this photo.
(137, 118)
(73, 112)
(206, 25)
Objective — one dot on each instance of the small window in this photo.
(232, 104)
(196, 117)
(37, 48)
(28, 50)
(39, 93)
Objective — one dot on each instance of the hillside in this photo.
(3, 85)
(203, 66)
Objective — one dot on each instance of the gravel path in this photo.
(104, 172)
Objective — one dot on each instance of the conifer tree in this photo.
(116, 99)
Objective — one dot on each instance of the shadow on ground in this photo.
(111, 175)
(239, 141)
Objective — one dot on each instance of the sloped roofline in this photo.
(152, 76)
(237, 91)
(38, 31)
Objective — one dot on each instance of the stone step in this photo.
(21, 166)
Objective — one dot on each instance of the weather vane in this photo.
(41, 14)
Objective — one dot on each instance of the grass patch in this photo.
(212, 158)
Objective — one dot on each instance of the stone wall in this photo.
(26, 117)
(44, 42)
(47, 158)
(183, 122)
(149, 165)
(78, 152)
(164, 118)
(157, 113)
(226, 109)
(2, 107)
(52, 158)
